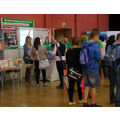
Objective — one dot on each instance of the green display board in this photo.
(8, 22)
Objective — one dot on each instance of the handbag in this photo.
(74, 74)
(63, 62)
(43, 63)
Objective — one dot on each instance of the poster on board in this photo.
(109, 33)
(42, 33)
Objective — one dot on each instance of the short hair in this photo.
(94, 32)
(75, 41)
(101, 38)
(83, 38)
(118, 36)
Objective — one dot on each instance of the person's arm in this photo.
(26, 51)
(97, 53)
(45, 51)
(32, 53)
(54, 41)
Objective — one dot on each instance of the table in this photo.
(12, 69)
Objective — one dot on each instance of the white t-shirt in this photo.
(103, 50)
(54, 52)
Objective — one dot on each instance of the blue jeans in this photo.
(114, 77)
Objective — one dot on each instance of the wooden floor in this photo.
(28, 96)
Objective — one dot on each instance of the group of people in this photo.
(83, 58)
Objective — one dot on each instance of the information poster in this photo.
(42, 33)
(10, 39)
(109, 33)
(23, 34)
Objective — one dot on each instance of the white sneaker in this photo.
(81, 101)
(72, 103)
(44, 84)
(37, 85)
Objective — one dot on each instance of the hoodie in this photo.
(95, 54)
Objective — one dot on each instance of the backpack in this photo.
(50, 56)
(85, 57)
(112, 56)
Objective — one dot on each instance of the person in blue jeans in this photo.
(91, 72)
(114, 77)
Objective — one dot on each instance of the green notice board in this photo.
(8, 22)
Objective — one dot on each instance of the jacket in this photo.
(95, 54)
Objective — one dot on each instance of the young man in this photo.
(114, 76)
(91, 72)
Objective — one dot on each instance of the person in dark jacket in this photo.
(60, 44)
(27, 57)
(110, 41)
(72, 61)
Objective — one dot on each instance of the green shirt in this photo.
(47, 45)
(68, 44)
(99, 42)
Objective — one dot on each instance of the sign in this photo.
(42, 33)
(8, 22)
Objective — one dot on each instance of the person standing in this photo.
(102, 66)
(114, 74)
(67, 42)
(47, 44)
(59, 51)
(91, 70)
(73, 52)
(39, 53)
(27, 57)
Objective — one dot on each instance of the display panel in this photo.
(23, 34)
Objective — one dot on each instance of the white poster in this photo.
(42, 33)
(109, 33)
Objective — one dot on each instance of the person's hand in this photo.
(32, 59)
(54, 41)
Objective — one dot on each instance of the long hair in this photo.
(26, 40)
(110, 41)
(37, 43)
(60, 39)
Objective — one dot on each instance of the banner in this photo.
(8, 22)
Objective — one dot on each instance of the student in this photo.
(67, 42)
(106, 39)
(114, 75)
(110, 41)
(91, 72)
(47, 44)
(102, 58)
(73, 52)
(27, 57)
(39, 52)
(59, 50)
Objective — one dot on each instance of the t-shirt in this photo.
(99, 42)
(47, 45)
(68, 44)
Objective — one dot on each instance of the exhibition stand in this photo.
(12, 39)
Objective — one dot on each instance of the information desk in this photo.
(12, 69)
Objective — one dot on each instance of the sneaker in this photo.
(81, 101)
(44, 84)
(95, 105)
(60, 87)
(72, 103)
(37, 85)
(86, 105)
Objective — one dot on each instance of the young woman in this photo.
(73, 52)
(59, 50)
(39, 53)
(27, 57)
